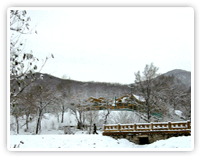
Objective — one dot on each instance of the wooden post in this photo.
(151, 126)
(119, 127)
(135, 127)
(188, 125)
(169, 125)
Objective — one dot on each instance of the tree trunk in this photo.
(148, 117)
(38, 126)
(91, 121)
(148, 110)
(63, 111)
(58, 118)
(27, 121)
(80, 125)
(17, 124)
(105, 122)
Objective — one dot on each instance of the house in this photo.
(99, 103)
(133, 102)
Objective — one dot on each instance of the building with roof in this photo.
(130, 102)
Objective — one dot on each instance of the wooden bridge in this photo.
(144, 133)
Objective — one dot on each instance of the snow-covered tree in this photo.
(43, 97)
(64, 96)
(145, 87)
(23, 65)
(78, 107)
(79, 111)
(124, 117)
(17, 112)
(92, 116)
(27, 101)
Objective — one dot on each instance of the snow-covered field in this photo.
(82, 141)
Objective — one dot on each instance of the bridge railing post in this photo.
(119, 127)
(188, 125)
(151, 126)
(169, 125)
(135, 127)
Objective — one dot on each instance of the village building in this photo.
(128, 102)
(99, 103)
(132, 102)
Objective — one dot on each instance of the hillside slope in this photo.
(85, 89)
(103, 89)
(182, 75)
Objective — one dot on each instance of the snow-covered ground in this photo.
(82, 141)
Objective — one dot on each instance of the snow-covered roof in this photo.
(126, 98)
(139, 98)
(178, 112)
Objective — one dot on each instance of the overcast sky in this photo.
(109, 44)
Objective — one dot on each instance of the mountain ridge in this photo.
(101, 89)
(182, 75)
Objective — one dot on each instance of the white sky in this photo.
(109, 44)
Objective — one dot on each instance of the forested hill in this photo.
(84, 89)
(182, 75)
(100, 89)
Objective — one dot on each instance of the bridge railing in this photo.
(185, 125)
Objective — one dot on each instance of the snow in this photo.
(124, 100)
(139, 97)
(178, 112)
(82, 141)
(68, 141)
(175, 142)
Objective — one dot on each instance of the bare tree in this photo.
(64, 97)
(79, 104)
(17, 112)
(187, 105)
(107, 111)
(22, 64)
(144, 85)
(24, 105)
(78, 108)
(92, 116)
(172, 95)
(180, 99)
(177, 93)
(43, 98)
(124, 117)
(79, 112)
(29, 107)
(161, 93)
